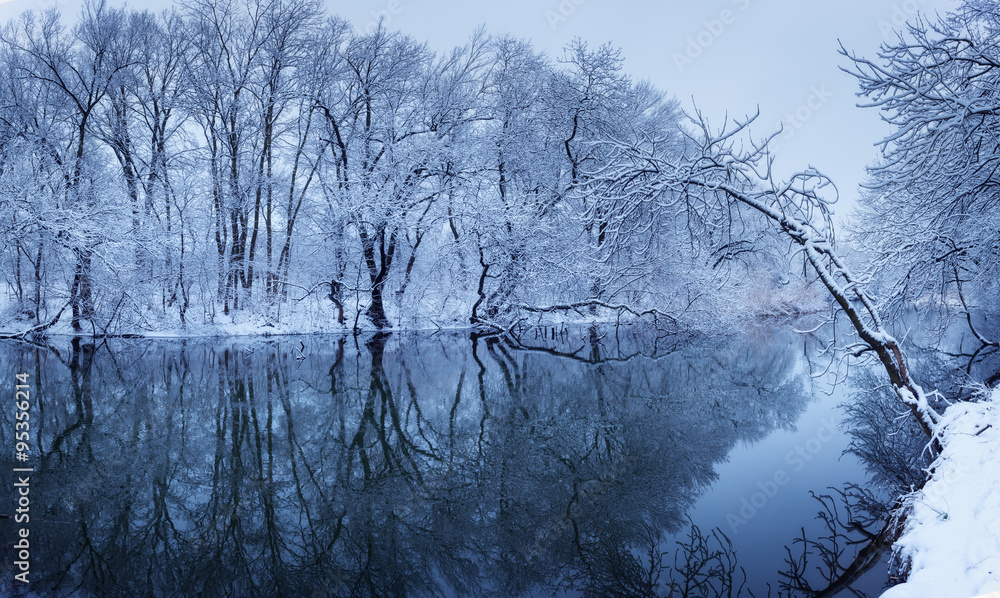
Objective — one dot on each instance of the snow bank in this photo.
(952, 533)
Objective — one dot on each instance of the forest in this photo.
(227, 159)
(266, 164)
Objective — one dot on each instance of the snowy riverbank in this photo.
(952, 531)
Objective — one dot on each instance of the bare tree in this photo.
(221, 154)
(391, 119)
(936, 185)
(81, 68)
(718, 182)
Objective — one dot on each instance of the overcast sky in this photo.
(727, 56)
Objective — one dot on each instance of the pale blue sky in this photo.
(728, 55)
(778, 55)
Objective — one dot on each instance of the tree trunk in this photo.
(480, 291)
(378, 272)
(336, 295)
(81, 297)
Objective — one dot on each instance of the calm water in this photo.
(419, 464)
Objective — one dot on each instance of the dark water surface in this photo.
(419, 464)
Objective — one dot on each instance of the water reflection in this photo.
(860, 524)
(425, 465)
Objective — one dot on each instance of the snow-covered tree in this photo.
(722, 182)
(930, 220)
(76, 71)
(240, 157)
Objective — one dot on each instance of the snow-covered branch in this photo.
(714, 176)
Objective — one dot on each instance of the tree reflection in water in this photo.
(861, 524)
(422, 465)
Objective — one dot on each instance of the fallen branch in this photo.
(37, 329)
(598, 303)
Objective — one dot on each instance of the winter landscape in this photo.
(298, 305)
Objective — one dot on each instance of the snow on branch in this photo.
(718, 173)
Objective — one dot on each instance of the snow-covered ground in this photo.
(952, 532)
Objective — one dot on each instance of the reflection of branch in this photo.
(654, 355)
(481, 382)
(706, 568)
(868, 557)
(704, 565)
(861, 511)
(566, 354)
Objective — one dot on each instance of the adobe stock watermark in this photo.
(63, 6)
(712, 30)
(901, 12)
(767, 489)
(22, 487)
(795, 119)
(382, 17)
(562, 13)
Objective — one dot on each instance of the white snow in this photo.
(952, 532)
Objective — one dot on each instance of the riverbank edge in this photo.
(250, 326)
(951, 536)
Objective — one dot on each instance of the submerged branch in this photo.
(968, 315)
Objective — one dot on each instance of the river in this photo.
(569, 462)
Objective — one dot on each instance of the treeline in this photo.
(929, 226)
(228, 158)
(266, 164)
